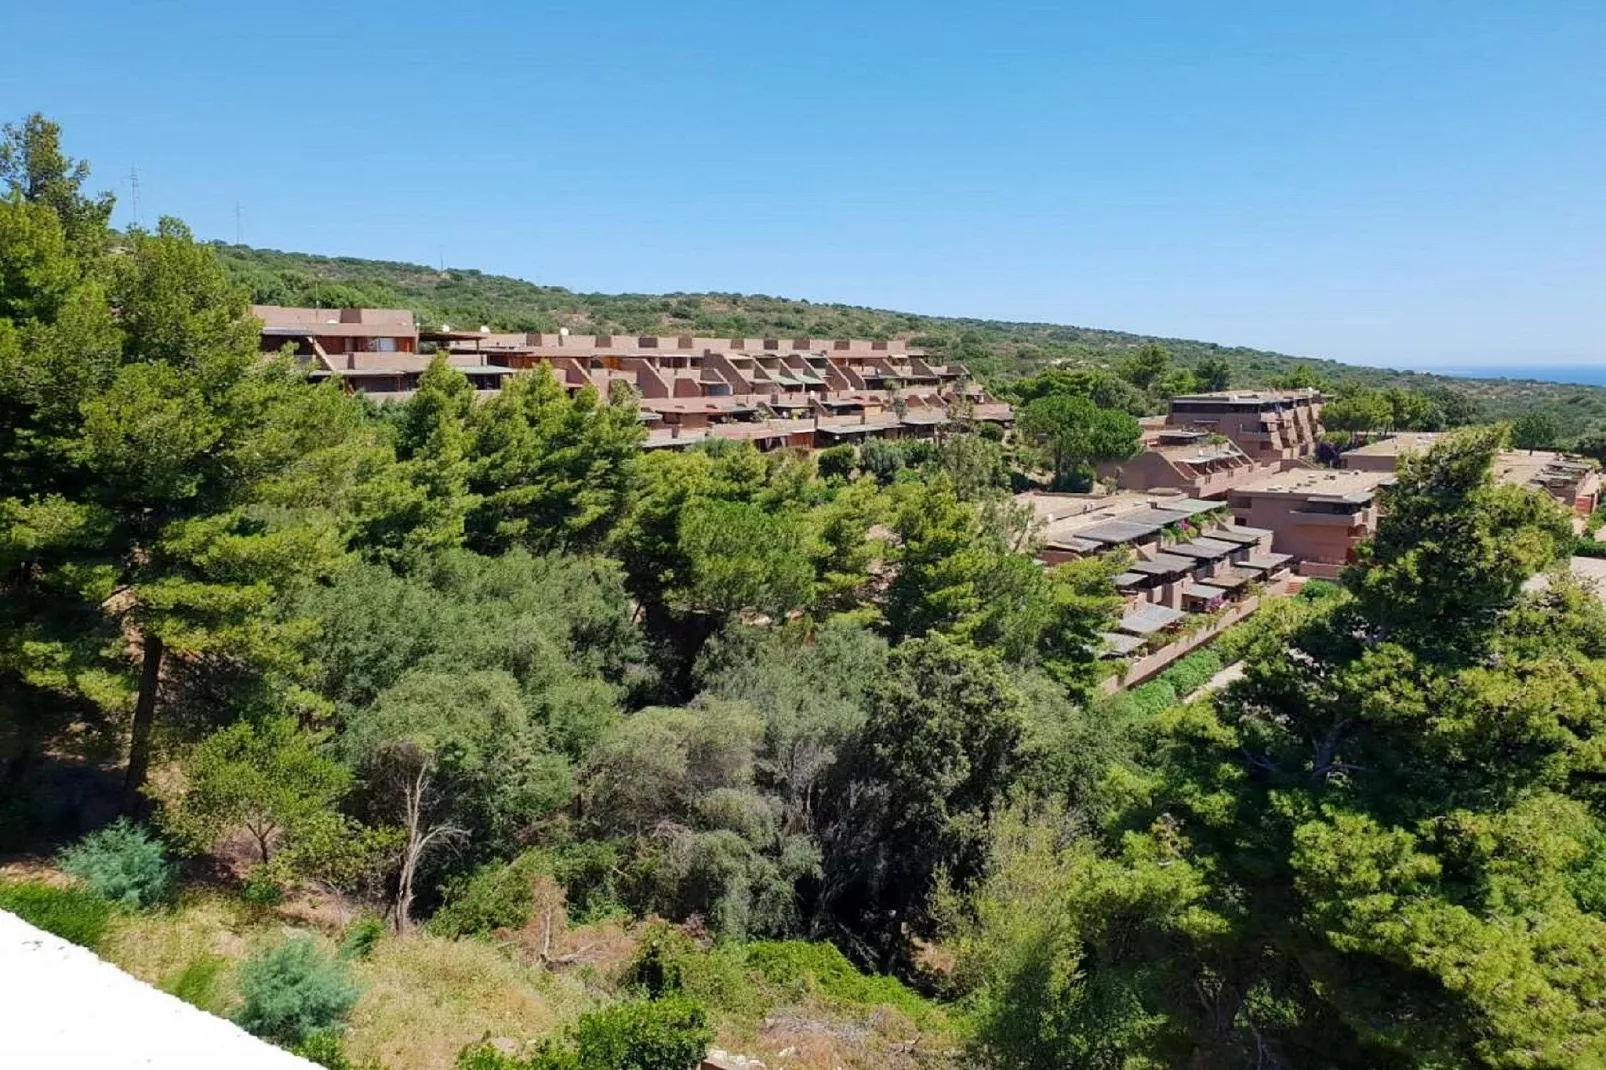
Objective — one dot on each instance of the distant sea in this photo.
(1586, 374)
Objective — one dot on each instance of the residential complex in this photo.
(1186, 561)
(1196, 463)
(1270, 426)
(1571, 480)
(1319, 515)
(801, 392)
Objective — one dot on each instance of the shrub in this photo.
(1154, 697)
(123, 863)
(73, 914)
(801, 968)
(262, 888)
(293, 990)
(329, 1051)
(881, 459)
(659, 965)
(497, 895)
(196, 984)
(361, 937)
(1192, 672)
(669, 1034)
(836, 462)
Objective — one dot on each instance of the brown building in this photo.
(1571, 480)
(798, 392)
(1272, 427)
(1319, 516)
(1194, 463)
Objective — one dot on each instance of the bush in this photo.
(1153, 698)
(659, 966)
(73, 914)
(881, 459)
(293, 990)
(329, 1051)
(1192, 672)
(361, 937)
(123, 863)
(497, 895)
(836, 462)
(802, 968)
(669, 1034)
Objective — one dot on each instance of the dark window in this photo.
(772, 343)
(647, 341)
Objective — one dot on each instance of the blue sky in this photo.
(1409, 183)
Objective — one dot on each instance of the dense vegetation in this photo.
(996, 351)
(468, 693)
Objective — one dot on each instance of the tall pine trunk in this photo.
(139, 747)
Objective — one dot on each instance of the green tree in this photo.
(939, 750)
(449, 757)
(156, 508)
(267, 778)
(1380, 847)
(1535, 430)
(741, 556)
(1147, 366)
(34, 169)
(1358, 410)
(1213, 373)
(1073, 433)
(551, 471)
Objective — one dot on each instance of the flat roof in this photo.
(1203, 590)
(1162, 564)
(1204, 549)
(1337, 484)
(1116, 644)
(1130, 579)
(1149, 617)
(1394, 445)
(1242, 534)
(1266, 562)
(1251, 396)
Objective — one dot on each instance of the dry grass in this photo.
(426, 997)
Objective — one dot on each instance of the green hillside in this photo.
(995, 350)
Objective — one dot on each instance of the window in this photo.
(772, 343)
(647, 341)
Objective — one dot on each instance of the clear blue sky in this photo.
(1406, 183)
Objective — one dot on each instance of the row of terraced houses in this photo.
(773, 392)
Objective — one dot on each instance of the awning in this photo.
(1204, 549)
(1203, 591)
(1149, 618)
(1162, 564)
(1195, 506)
(1266, 562)
(1072, 543)
(1117, 645)
(1115, 532)
(1232, 579)
(1240, 535)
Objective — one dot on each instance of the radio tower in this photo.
(133, 185)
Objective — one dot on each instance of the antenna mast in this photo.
(133, 185)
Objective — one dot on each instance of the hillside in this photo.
(994, 349)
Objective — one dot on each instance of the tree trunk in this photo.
(139, 747)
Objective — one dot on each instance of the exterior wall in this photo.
(1322, 537)
(1143, 668)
